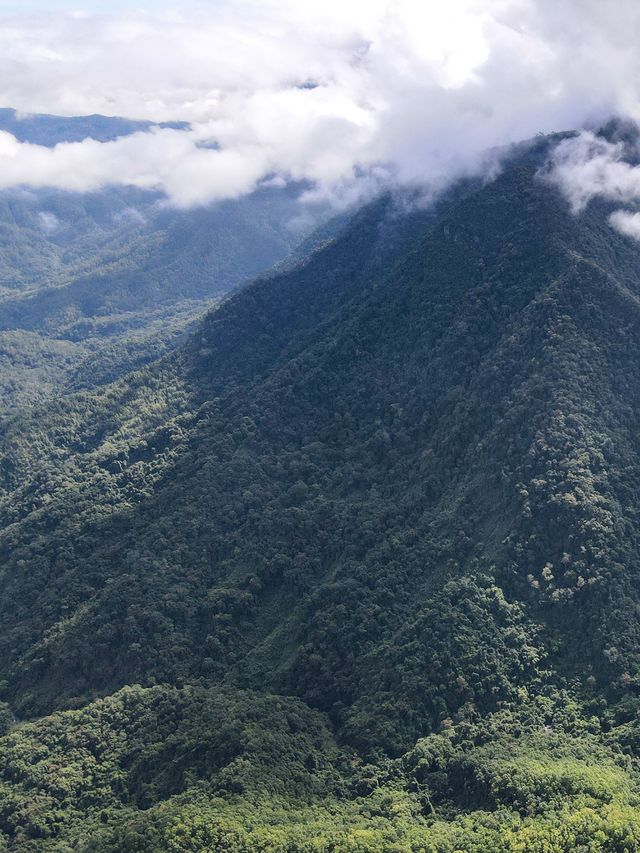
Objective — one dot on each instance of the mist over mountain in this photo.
(347, 97)
(319, 427)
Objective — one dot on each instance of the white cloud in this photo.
(162, 159)
(587, 166)
(626, 223)
(323, 91)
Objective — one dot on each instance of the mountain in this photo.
(94, 285)
(355, 567)
(50, 130)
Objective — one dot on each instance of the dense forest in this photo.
(355, 566)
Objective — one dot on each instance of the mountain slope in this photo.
(396, 484)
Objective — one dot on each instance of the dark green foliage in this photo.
(6, 718)
(388, 494)
(140, 747)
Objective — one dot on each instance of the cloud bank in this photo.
(342, 95)
(588, 166)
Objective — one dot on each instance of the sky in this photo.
(94, 6)
(348, 96)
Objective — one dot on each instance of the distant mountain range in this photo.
(49, 130)
(93, 285)
(356, 565)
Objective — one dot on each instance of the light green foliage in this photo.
(161, 769)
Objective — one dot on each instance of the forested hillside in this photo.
(356, 567)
